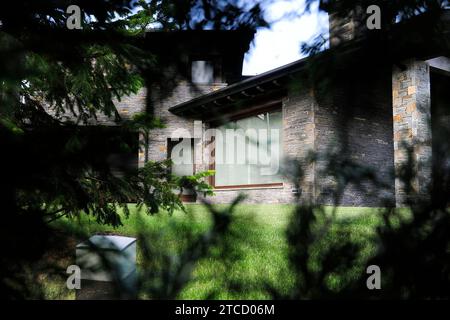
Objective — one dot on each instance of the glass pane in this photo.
(202, 71)
(267, 169)
(231, 167)
(263, 150)
(182, 156)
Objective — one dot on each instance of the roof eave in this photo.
(241, 87)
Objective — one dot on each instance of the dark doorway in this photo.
(440, 123)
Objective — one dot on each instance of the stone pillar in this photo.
(411, 98)
(299, 140)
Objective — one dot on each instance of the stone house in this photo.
(381, 95)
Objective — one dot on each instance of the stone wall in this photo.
(299, 139)
(126, 107)
(175, 126)
(354, 125)
(312, 121)
(362, 116)
(358, 115)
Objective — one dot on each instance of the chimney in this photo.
(345, 24)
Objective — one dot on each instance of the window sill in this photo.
(231, 188)
(209, 84)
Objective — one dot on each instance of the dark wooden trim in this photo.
(212, 165)
(273, 105)
(253, 109)
(241, 186)
(188, 197)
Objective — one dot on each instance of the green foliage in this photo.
(410, 248)
(51, 166)
(197, 183)
(159, 186)
(52, 169)
(254, 252)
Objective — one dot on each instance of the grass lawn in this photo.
(262, 252)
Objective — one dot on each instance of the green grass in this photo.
(261, 252)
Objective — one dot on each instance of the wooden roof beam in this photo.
(246, 94)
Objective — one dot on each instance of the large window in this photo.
(248, 151)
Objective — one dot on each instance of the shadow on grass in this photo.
(251, 257)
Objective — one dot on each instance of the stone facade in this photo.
(175, 126)
(312, 123)
(368, 118)
(126, 107)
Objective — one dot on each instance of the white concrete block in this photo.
(103, 257)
